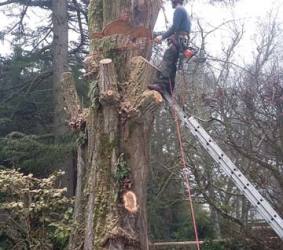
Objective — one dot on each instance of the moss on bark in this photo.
(113, 155)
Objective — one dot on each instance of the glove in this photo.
(158, 39)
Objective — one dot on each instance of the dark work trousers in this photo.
(166, 76)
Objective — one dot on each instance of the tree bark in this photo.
(110, 211)
(60, 65)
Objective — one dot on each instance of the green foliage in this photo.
(225, 245)
(184, 228)
(81, 138)
(27, 111)
(32, 153)
(82, 86)
(178, 224)
(210, 245)
(25, 89)
(5, 243)
(38, 215)
(122, 169)
(60, 231)
(93, 93)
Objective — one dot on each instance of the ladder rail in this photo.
(246, 187)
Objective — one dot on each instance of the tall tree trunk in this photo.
(111, 203)
(60, 65)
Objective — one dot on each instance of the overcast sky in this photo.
(250, 13)
(247, 12)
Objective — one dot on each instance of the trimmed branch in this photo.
(138, 99)
(107, 76)
(72, 103)
(107, 82)
(150, 101)
(142, 73)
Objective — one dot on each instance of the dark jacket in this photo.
(181, 22)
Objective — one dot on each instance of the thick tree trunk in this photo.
(60, 65)
(110, 209)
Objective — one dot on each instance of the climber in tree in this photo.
(177, 35)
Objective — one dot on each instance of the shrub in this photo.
(36, 214)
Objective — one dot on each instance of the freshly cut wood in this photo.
(106, 61)
(142, 73)
(107, 76)
(108, 85)
(123, 27)
(109, 98)
(150, 101)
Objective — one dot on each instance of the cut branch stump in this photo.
(107, 83)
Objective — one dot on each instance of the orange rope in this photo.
(184, 163)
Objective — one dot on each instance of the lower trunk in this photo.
(113, 202)
(116, 151)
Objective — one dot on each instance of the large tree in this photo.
(60, 65)
(30, 82)
(113, 157)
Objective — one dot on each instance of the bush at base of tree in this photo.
(35, 214)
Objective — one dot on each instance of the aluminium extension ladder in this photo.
(250, 192)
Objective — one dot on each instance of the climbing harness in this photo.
(186, 50)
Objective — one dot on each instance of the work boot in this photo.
(156, 87)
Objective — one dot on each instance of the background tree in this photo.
(28, 98)
(210, 91)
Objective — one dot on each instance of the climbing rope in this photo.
(184, 166)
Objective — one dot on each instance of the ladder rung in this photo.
(246, 187)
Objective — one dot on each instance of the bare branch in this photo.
(35, 3)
